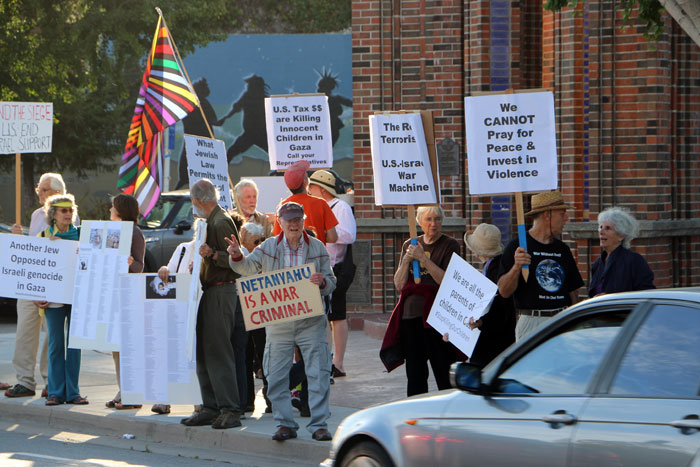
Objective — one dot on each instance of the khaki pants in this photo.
(29, 324)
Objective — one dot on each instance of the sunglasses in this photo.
(64, 210)
(258, 241)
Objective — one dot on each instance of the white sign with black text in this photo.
(25, 127)
(402, 169)
(206, 158)
(511, 143)
(464, 293)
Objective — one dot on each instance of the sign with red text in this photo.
(280, 296)
(511, 143)
(298, 129)
(25, 127)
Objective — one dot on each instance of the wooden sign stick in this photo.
(413, 233)
(18, 189)
(522, 233)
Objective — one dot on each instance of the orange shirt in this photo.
(318, 215)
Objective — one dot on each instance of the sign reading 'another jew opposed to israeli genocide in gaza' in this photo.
(25, 127)
(402, 171)
(298, 129)
(511, 143)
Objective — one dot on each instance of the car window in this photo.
(184, 214)
(566, 361)
(159, 212)
(663, 358)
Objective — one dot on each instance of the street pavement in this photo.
(367, 384)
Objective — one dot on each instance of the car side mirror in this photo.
(182, 226)
(466, 376)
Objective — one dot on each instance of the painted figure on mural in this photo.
(326, 85)
(252, 104)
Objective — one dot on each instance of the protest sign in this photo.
(298, 128)
(206, 158)
(464, 293)
(154, 367)
(403, 170)
(279, 296)
(36, 268)
(275, 190)
(105, 247)
(511, 143)
(25, 127)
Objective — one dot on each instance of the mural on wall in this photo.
(232, 79)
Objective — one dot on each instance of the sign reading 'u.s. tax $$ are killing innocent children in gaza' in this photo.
(511, 143)
(402, 171)
(298, 129)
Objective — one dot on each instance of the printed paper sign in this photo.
(511, 143)
(36, 268)
(464, 293)
(25, 127)
(195, 291)
(206, 158)
(280, 296)
(402, 170)
(298, 128)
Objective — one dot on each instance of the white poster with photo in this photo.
(154, 366)
(511, 143)
(26, 127)
(195, 291)
(105, 247)
(298, 128)
(464, 294)
(402, 171)
(206, 158)
(36, 268)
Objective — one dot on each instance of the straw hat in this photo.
(485, 240)
(324, 179)
(546, 201)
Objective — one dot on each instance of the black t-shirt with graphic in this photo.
(553, 274)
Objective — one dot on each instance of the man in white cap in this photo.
(322, 185)
(293, 247)
(554, 278)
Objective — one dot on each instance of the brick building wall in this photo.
(628, 131)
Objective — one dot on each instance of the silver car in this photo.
(613, 381)
(167, 225)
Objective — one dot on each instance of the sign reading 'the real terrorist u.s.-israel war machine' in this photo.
(25, 127)
(402, 169)
(298, 128)
(279, 296)
(36, 268)
(511, 143)
(464, 294)
(206, 158)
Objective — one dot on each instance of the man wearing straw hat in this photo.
(554, 278)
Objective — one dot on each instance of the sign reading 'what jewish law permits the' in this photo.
(402, 170)
(511, 143)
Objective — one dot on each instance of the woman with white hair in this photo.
(408, 336)
(618, 269)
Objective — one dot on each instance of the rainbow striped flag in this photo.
(165, 97)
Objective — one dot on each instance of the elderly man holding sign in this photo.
(293, 247)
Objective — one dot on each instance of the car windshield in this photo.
(155, 218)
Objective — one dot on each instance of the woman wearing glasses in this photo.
(64, 362)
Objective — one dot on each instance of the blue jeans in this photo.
(310, 335)
(64, 364)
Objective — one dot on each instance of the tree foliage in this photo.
(648, 12)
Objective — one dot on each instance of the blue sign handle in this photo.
(522, 240)
(416, 264)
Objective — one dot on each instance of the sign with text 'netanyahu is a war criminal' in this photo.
(402, 170)
(279, 296)
(511, 143)
(206, 158)
(298, 128)
(36, 268)
(25, 127)
(464, 294)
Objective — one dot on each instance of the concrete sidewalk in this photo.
(367, 384)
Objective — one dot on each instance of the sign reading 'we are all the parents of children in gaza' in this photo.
(511, 143)
(402, 171)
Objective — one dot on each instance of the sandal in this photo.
(111, 404)
(79, 400)
(120, 406)
(53, 400)
(161, 409)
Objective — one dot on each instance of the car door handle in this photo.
(688, 425)
(559, 418)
